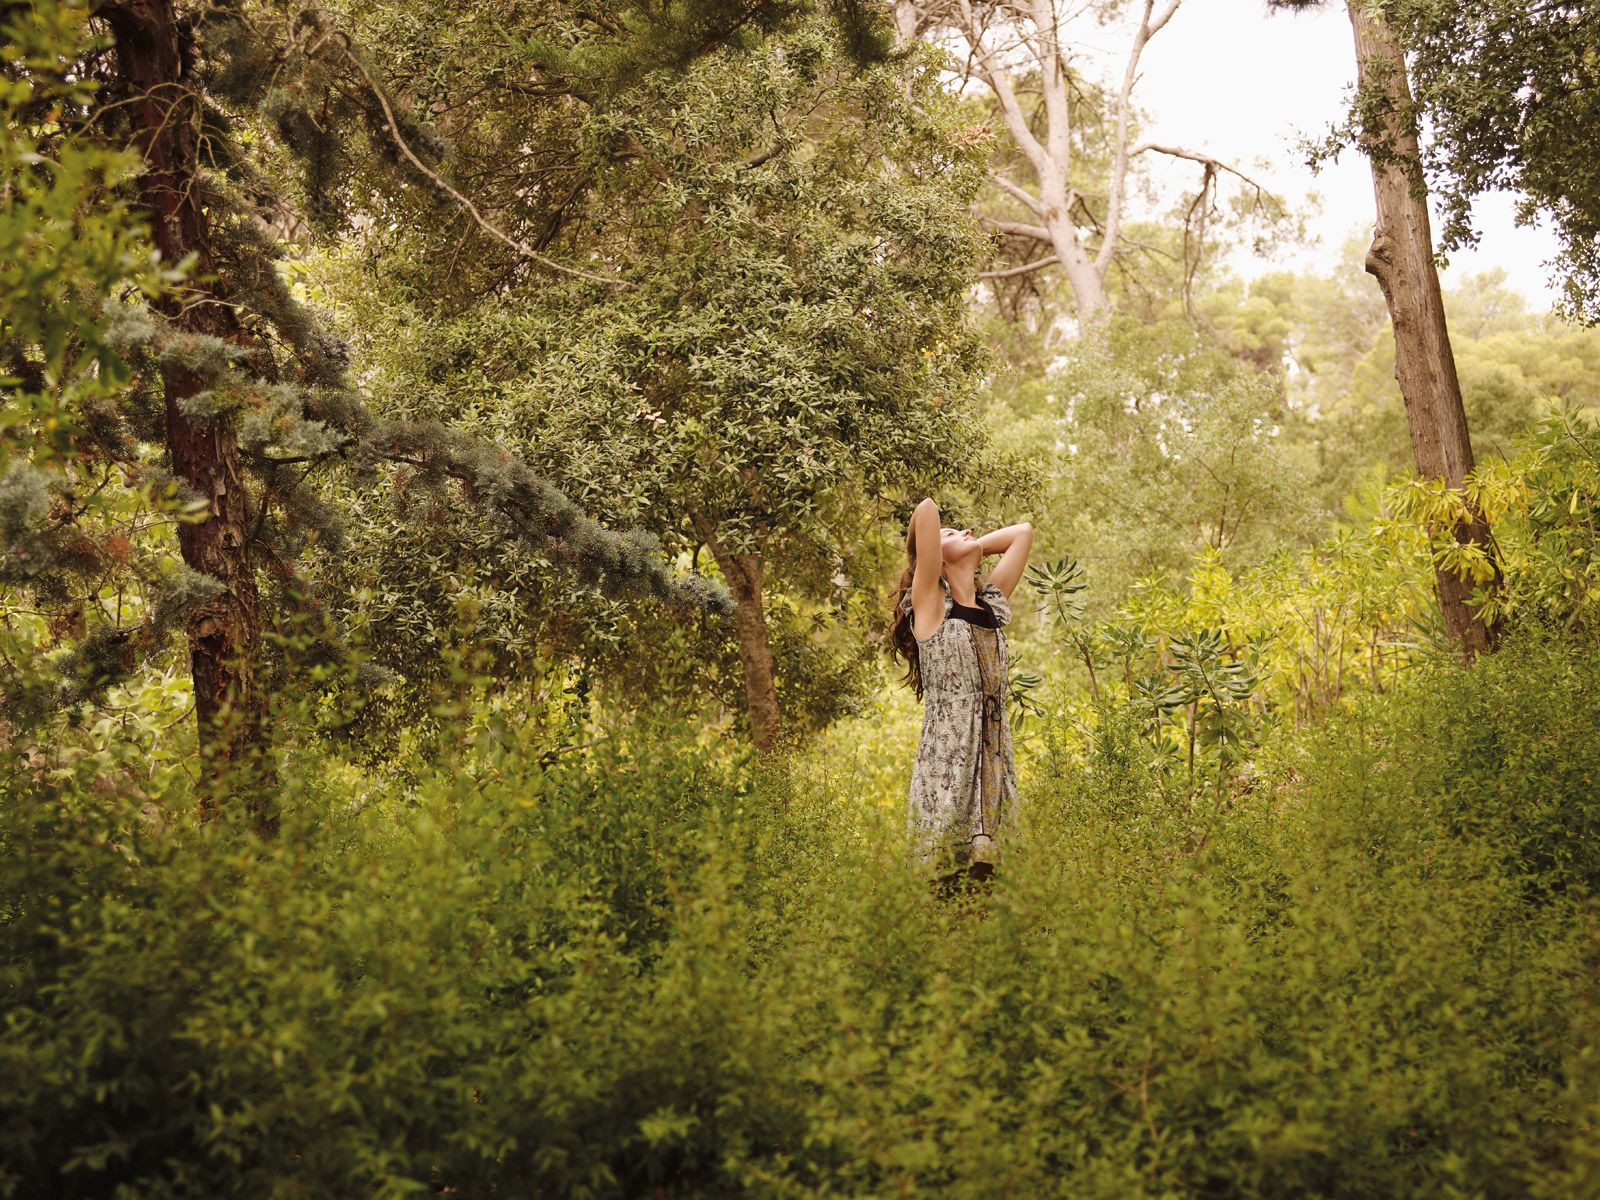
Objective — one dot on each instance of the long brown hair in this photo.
(902, 637)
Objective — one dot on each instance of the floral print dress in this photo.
(964, 783)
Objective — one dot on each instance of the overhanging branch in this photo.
(1023, 269)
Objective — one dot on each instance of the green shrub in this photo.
(1505, 754)
(635, 972)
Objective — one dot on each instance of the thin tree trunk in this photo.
(1401, 258)
(743, 573)
(224, 637)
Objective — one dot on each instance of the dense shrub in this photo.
(1505, 755)
(637, 972)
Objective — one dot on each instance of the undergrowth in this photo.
(1367, 971)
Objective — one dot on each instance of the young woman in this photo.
(948, 626)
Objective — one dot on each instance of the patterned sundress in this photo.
(964, 782)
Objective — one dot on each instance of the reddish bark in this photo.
(224, 637)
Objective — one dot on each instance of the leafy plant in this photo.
(1214, 684)
(1060, 583)
(1020, 689)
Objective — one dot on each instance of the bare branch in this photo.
(1021, 195)
(1149, 26)
(1216, 164)
(994, 73)
(1160, 22)
(1020, 270)
(1020, 228)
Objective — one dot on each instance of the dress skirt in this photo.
(964, 781)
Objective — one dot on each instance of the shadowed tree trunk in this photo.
(224, 636)
(743, 573)
(1401, 258)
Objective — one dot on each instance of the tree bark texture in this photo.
(1401, 258)
(743, 573)
(224, 636)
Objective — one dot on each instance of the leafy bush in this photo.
(1504, 755)
(644, 970)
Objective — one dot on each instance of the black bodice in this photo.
(975, 616)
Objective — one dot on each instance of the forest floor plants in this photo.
(644, 969)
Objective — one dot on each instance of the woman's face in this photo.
(958, 547)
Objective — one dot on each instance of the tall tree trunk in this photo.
(1083, 275)
(224, 637)
(1401, 257)
(743, 573)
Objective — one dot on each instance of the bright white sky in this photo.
(1229, 78)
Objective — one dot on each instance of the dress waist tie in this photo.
(989, 714)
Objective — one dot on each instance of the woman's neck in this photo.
(963, 591)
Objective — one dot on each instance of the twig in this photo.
(488, 226)
(1216, 164)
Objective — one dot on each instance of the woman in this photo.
(948, 626)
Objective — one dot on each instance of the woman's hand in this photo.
(1012, 543)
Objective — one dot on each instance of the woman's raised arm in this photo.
(924, 535)
(1012, 543)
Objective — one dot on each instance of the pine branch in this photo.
(498, 480)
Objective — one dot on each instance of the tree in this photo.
(1401, 258)
(234, 380)
(164, 123)
(1515, 367)
(791, 357)
(1015, 46)
(1163, 448)
(1510, 93)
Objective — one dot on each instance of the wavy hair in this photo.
(902, 637)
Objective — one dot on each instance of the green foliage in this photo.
(1507, 90)
(636, 970)
(1501, 756)
(1544, 505)
(1295, 906)
(1208, 670)
(67, 241)
(791, 358)
(92, 589)
(1501, 96)
(1213, 682)
(1195, 696)
(85, 591)
(1159, 446)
